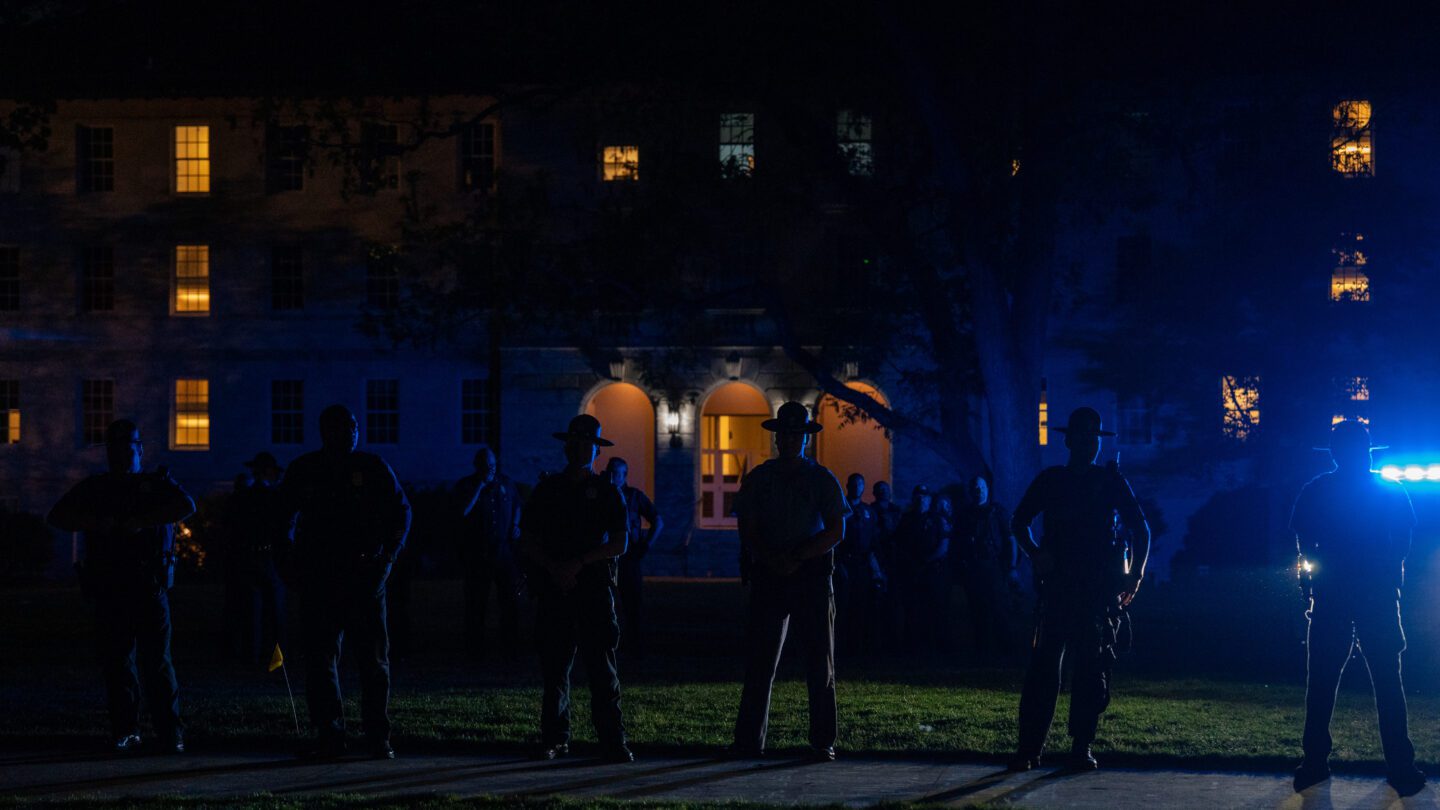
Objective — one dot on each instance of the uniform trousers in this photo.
(808, 600)
(584, 620)
(349, 609)
(497, 570)
(132, 622)
(1337, 625)
(632, 603)
(1085, 633)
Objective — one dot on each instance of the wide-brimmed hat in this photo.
(584, 428)
(1351, 434)
(793, 417)
(263, 461)
(1085, 422)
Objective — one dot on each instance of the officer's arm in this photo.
(1025, 513)
(397, 515)
(617, 534)
(170, 504)
(1133, 518)
(467, 493)
(652, 516)
(834, 511)
(71, 513)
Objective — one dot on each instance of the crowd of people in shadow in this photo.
(821, 564)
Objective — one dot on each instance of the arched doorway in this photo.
(627, 418)
(858, 447)
(731, 443)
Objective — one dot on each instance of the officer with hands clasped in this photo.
(1086, 579)
(1353, 529)
(792, 515)
(127, 519)
(351, 520)
(573, 530)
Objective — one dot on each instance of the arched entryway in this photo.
(731, 443)
(627, 418)
(860, 446)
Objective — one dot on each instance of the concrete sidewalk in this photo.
(851, 781)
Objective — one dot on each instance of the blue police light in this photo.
(1411, 472)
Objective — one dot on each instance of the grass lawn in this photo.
(685, 699)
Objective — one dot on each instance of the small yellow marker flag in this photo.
(276, 659)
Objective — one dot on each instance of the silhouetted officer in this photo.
(261, 530)
(574, 528)
(888, 515)
(1085, 581)
(858, 579)
(792, 515)
(638, 507)
(128, 569)
(490, 524)
(351, 520)
(1353, 528)
(986, 551)
(915, 545)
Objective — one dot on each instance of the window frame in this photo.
(175, 159)
(468, 156)
(293, 434)
(11, 283)
(176, 411)
(93, 422)
(175, 284)
(631, 168)
(85, 159)
(373, 414)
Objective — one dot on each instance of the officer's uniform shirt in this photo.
(638, 507)
(495, 517)
(1356, 530)
(349, 505)
(568, 517)
(117, 496)
(1080, 505)
(860, 527)
(984, 533)
(789, 501)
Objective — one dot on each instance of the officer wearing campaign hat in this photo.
(791, 516)
(255, 592)
(1086, 579)
(1353, 531)
(573, 528)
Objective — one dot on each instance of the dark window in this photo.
(1135, 423)
(286, 149)
(9, 279)
(477, 157)
(477, 412)
(287, 278)
(97, 409)
(380, 167)
(287, 412)
(382, 411)
(382, 279)
(97, 279)
(95, 158)
(9, 411)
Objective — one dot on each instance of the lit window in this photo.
(1350, 280)
(381, 169)
(1354, 400)
(1044, 415)
(854, 140)
(192, 279)
(9, 411)
(95, 158)
(287, 412)
(476, 412)
(287, 278)
(1240, 402)
(9, 170)
(737, 144)
(97, 409)
(1357, 389)
(192, 414)
(192, 160)
(382, 411)
(477, 157)
(621, 163)
(1351, 144)
(97, 279)
(9, 278)
(1340, 417)
(286, 151)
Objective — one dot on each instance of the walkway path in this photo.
(854, 781)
